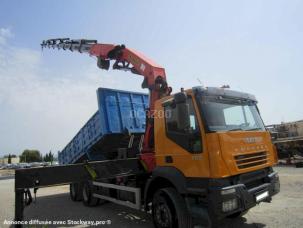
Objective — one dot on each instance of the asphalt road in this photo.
(53, 204)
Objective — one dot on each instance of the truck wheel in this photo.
(75, 191)
(169, 210)
(88, 198)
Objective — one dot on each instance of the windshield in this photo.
(231, 115)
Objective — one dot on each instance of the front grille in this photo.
(250, 160)
(252, 179)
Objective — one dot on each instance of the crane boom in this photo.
(129, 60)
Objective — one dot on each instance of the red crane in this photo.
(128, 60)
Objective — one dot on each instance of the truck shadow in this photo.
(60, 209)
(240, 222)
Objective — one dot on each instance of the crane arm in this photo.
(125, 59)
(128, 60)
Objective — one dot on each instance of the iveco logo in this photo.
(253, 139)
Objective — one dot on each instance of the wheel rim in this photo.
(162, 215)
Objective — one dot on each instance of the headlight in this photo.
(273, 175)
(230, 205)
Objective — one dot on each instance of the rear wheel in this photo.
(169, 210)
(75, 191)
(88, 198)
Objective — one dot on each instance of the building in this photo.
(288, 138)
(5, 160)
(289, 129)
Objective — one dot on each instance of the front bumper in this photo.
(244, 197)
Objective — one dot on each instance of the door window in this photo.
(188, 138)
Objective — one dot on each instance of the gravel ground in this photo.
(53, 203)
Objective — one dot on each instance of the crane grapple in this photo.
(81, 45)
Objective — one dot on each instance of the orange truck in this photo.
(205, 154)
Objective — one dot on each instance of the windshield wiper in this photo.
(254, 129)
(236, 129)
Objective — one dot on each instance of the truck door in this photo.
(181, 147)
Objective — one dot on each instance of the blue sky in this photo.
(45, 97)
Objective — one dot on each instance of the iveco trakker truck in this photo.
(204, 154)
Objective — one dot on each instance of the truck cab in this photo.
(211, 144)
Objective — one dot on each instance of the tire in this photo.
(75, 191)
(169, 210)
(87, 193)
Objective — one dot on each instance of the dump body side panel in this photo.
(119, 112)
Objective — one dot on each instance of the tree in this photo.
(9, 159)
(49, 157)
(31, 156)
(12, 156)
(45, 158)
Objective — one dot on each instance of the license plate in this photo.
(262, 196)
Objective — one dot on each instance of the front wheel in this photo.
(169, 210)
(88, 198)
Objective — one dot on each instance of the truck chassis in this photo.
(96, 173)
(125, 182)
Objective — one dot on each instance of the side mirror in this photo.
(182, 107)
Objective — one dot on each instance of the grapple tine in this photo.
(54, 42)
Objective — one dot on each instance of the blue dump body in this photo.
(119, 113)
